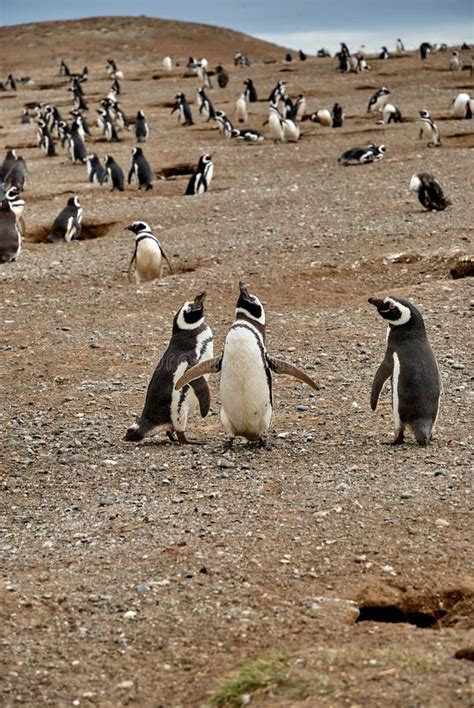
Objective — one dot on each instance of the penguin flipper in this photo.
(384, 371)
(210, 366)
(201, 389)
(165, 256)
(283, 367)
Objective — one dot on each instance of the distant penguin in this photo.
(82, 125)
(115, 174)
(248, 135)
(165, 408)
(425, 49)
(399, 46)
(275, 123)
(250, 91)
(16, 176)
(411, 364)
(11, 208)
(299, 108)
(142, 130)
(224, 124)
(241, 108)
(362, 155)
(67, 224)
(302, 55)
(206, 109)
(391, 114)
(167, 64)
(46, 141)
(456, 62)
(184, 110)
(222, 76)
(63, 68)
(245, 368)
(288, 57)
(96, 171)
(429, 191)
(323, 117)
(7, 164)
(76, 146)
(201, 179)
(278, 92)
(462, 106)
(140, 169)
(148, 255)
(337, 116)
(384, 53)
(378, 100)
(25, 117)
(429, 129)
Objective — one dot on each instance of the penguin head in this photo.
(136, 152)
(205, 159)
(137, 227)
(396, 311)
(424, 113)
(74, 202)
(384, 90)
(190, 315)
(249, 306)
(15, 202)
(140, 114)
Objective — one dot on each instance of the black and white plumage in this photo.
(201, 179)
(76, 146)
(96, 171)
(456, 62)
(337, 116)
(278, 92)
(429, 191)
(45, 139)
(362, 155)
(425, 49)
(206, 109)
(181, 105)
(17, 174)
(302, 55)
(250, 91)
(282, 129)
(25, 117)
(166, 408)
(299, 108)
(410, 363)
(399, 46)
(241, 108)
(7, 164)
(67, 224)
(11, 225)
(378, 100)
(462, 106)
(391, 114)
(140, 169)
(429, 129)
(222, 76)
(384, 53)
(248, 135)
(148, 254)
(82, 125)
(224, 124)
(115, 174)
(245, 368)
(322, 116)
(142, 130)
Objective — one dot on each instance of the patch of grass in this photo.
(305, 687)
(253, 675)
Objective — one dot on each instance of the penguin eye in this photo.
(391, 304)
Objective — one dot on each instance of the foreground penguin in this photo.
(410, 362)
(201, 179)
(429, 129)
(11, 225)
(165, 407)
(67, 224)
(148, 254)
(246, 382)
(429, 190)
(140, 169)
(462, 106)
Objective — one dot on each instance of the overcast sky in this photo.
(300, 19)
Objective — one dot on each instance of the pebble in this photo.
(302, 407)
(441, 523)
(406, 495)
(225, 464)
(106, 501)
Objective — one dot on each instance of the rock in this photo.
(106, 501)
(225, 464)
(441, 523)
(302, 407)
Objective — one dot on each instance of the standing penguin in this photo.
(429, 190)
(299, 107)
(378, 100)
(11, 227)
(67, 224)
(142, 130)
(250, 91)
(206, 109)
(275, 123)
(391, 114)
(462, 106)
(115, 174)
(337, 116)
(96, 171)
(167, 64)
(76, 145)
(25, 117)
(148, 253)
(165, 407)
(140, 169)
(16, 176)
(184, 110)
(7, 164)
(201, 179)
(456, 62)
(399, 46)
(410, 362)
(222, 76)
(429, 129)
(241, 108)
(246, 382)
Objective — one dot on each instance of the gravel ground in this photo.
(143, 574)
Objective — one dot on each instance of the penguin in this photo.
(46, 141)
(11, 226)
(142, 130)
(107, 126)
(291, 130)
(275, 122)
(429, 129)
(399, 46)
(456, 62)
(425, 49)
(323, 117)
(11, 82)
(76, 146)
(148, 254)
(25, 117)
(115, 174)
(63, 68)
(7, 164)
(167, 64)
(116, 89)
(429, 190)
(248, 135)
(299, 109)
(96, 171)
(222, 76)
(241, 108)
(411, 364)
(302, 55)
(166, 408)
(82, 125)
(378, 100)
(337, 116)
(245, 368)
(184, 110)
(224, 124)
(384, 54)
(67, 224)
(206, 109)
(278, 92)
(241, 59)
(462, 106)
(201, 179)
(16, 176)
(288, 57)
(204, 78)
(250, 91)
(391, 114)
(362, 155)
(140, 169)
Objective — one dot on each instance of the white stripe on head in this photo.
(405, 313)
(181, 322)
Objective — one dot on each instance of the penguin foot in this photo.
(183, 440)
(399, 438)
(134, 434)
(262, 443)
(228, 444)
(171, 436)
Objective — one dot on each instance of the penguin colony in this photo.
(179, 383)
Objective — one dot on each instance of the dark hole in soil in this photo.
(90, 231)
(393, 614)
(184, 168)
(462, 269)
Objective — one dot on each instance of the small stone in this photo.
(457, 365)
(225, 464)
(125, 684)
(143, 587)
(406, 495)
(130, 614)
(302, 407)
(441, 523)
(106, 501)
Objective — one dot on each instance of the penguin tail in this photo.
(422, 431)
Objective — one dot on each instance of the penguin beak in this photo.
(128, 228)
(198, 301)
(377, 303)
(244, 292)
